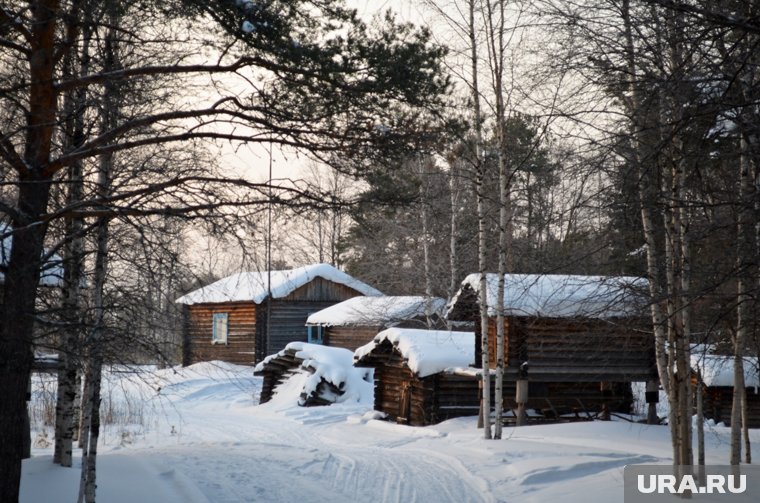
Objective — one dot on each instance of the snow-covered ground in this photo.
(197, 435)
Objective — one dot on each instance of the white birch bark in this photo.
(495, 19)
(744, 259)
(424, 213)
(648, 185)
(65, 421)
(480, 201)
(88, 482)
(454, 229)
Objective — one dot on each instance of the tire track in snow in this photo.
(297, 464)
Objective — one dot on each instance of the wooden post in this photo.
(405, 403)
(480, 411)
(606, 388)
(27, 450)
(521, 397)
(700, 431)
(187, 350)
(652, 397)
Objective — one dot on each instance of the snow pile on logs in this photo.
(312, 374)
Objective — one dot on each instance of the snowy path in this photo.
(277, 458)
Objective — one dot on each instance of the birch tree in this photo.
(76, 62)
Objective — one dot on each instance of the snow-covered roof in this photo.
(324, 363)
(718, 370)
(427, 351)
(252, 286)
(563, 296)
(52, 270)
(377, 311)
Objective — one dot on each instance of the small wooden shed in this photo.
(416, 378)
(565, 328)
(227, 320)
(717, 372)
(355, 322)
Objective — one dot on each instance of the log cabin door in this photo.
(404, 401)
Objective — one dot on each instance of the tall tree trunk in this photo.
(109, 113)
(700, 429)
(453, 229)
(744, 262)
(648, 187)
(95, 342)
(87, 484)
(745, 428)
(23, 272)
(84, 405)
(480, 202)
(495, 32)
(16, 340)
(73, 110)
(680, 238)
(424, 214)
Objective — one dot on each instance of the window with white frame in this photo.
(220, 326)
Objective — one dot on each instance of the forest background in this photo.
(599, 137)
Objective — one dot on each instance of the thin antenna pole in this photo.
(269, 258)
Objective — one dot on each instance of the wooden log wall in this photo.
(241, 333)
(557, 398)
(350, 337)
(454, 396)
(467, 309)
(322, 290)
(289, 313)
(289, 321)
(409, 399)
(577, 350)
(398, 392)
(718, 401)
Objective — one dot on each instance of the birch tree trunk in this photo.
(648, 187)
(84, 408)
(90, 449)
(744, 262)
(109, 113)
(700, 430)
(424, 213)
(454, 229)
(485, 403)
(73, 108)
(745, 427)
(680, 253)
(495, 19)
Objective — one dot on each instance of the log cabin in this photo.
(717, 378)
(227, 320)
(565, 328)
(423, 377)
(415, 374)
(581, 339)
(355, 322)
